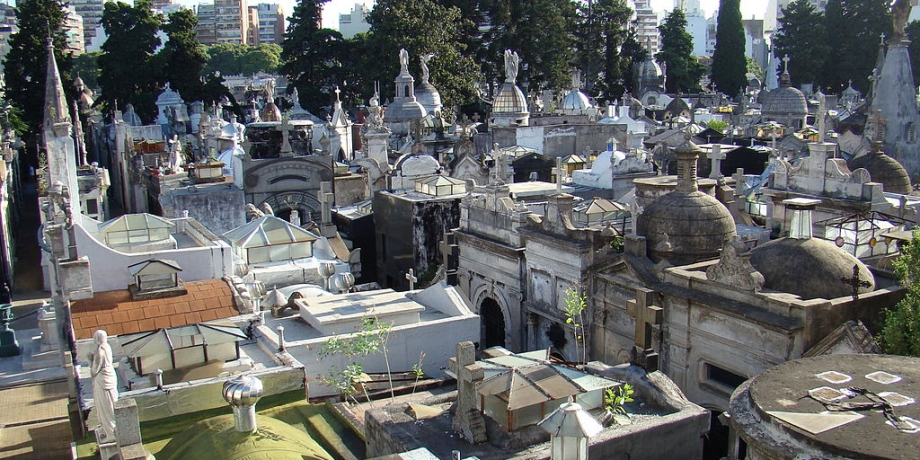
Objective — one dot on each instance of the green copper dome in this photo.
(216, 438)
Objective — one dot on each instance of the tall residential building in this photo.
(207, 28)
(647, 25)
(91, 12)
(271, 23)
(5, 31)
(690, 7)
(73, 28)
(161, 4)
(252, 16)
(231, 21)
(355, 22)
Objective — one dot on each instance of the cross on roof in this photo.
(855, 282)
(448, 247)
(412, 279)
(337, 91)
(326, 197)
(559, 171)
(715, 157)
(882, 35)
(786, 63)
(646, 315)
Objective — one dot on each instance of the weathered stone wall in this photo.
(350, 189)
(220, 208)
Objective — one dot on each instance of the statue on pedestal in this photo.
(105, 384)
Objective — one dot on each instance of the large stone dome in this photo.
(427, 95)
(576, 103)
(809, 268)
(786, 105)
(884, 169)
(686, 225)
(217, 438)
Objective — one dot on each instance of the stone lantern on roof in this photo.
(569, 429)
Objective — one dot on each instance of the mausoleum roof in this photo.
(509, 100)
(809, 268)
(884, 169)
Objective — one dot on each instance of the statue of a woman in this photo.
(900, 13)
(105, 383)
(511, 66)
(403, 61)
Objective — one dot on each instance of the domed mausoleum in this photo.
(686, 225)
(883, 169)
(786, 105)
(810, 268)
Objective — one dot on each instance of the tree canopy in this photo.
(853, 29)
(183, 56)
(25, 67)
(728, 61)
(900, 333)
(422, 27)
(128, 72)
(312, 56)
(602, 32)
(800, 35)
(676, 51)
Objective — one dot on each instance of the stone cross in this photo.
(647, 316)
(786, 63)
(560, 173)
(740, 181)
(634, 211)
(476, 117)
(286, 149)
(337, 91)
(448, 246)
(497, 156)
(716, 156)
(412, 279)
(326, 197)
(878, 123)
(468, 419)
(855, 282)
(821, 114)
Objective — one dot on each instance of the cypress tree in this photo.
(729, 64)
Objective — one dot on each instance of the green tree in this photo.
(422, 27)
(25, 67)
(225, 58)
(633, 54)
(86, 66)
(602, 31)
(854, 28)
(183, 55)
(901, 330)
(728, 61)
(800, 35)
(541, 32)
(913, 34)
(128, 71)
(263, 58)
(684, 71)
(311, 56)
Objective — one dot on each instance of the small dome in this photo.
(809, 268)
(427, 95)
(686, 225)
(576, 103)
(649, 69)
(677, 107)
(405, 110)
(270, 112)
(784, 102)
(510, 99)
(883, 169)
(218, 439)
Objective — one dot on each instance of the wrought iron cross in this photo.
(855, 282)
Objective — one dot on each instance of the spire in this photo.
(55, 103)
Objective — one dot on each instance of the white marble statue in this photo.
(424, 63)
(512, 63)
(105, 383)
(175, 155)
(403, 61)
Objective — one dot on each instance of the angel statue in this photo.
(267, 209)
(424, 62)
(512, 61)
(403, 60)
(900, 14)
(253, 213)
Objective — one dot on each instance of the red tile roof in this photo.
(117, 313)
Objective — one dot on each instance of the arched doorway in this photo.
(493, 323)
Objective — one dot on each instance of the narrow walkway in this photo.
(35, 424)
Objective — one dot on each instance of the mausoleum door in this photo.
(493, 323)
